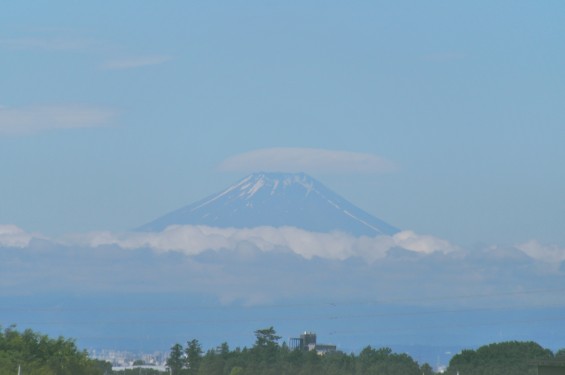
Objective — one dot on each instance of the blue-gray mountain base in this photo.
(276, 200)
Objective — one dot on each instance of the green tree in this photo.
(426, 369)
(224, 349)
(193, 356)
(266, 346)
(39, 354)
(384, 362)
(176, 360)
(212, 364)
(505, 358)
(266, 338)
(338, 363)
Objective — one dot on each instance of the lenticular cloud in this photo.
(306, 159)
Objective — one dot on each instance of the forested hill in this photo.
(505, 358)
(29, 352)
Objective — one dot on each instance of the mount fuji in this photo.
(276, 199)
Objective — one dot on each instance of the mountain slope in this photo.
(276, 199)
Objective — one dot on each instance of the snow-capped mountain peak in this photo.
(251, 185)
(276, 199)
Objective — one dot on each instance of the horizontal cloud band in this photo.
(193, 240)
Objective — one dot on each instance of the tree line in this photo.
(268, 357)
(32, 353)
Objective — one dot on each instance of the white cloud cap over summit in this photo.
(288, 159)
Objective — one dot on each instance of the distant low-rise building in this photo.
(307, 342)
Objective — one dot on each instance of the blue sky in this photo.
(444, 119)
(114, 113)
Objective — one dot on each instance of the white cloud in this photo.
(193, 240)
(35, 119)
(252, 265)
(424, 244)
(552, 254)
(13, 236)
(308, 160)
(135, 62)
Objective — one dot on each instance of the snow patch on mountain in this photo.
(255, 188)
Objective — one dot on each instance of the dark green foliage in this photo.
(266, 337)
(193, 356)
(384, 361)
(266, 346)
(506, 358)
(41, 355)
(267, 357)
(426, 369)
(176, 360)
